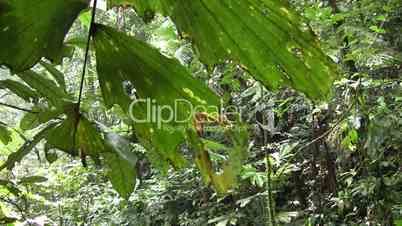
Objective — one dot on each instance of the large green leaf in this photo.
(122, 147)
(264, 36)
(163, 80)
(32, 29)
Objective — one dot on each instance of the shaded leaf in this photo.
(10, 186)
(45, 87)
(32, 180)
(122, 147)
(32, 29)
(42, 114)
(121, 174)
(5, 135)
(121, 164)
(26, 148)
(19, 89)
(61, 136)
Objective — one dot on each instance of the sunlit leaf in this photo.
(164, 81)
(266, 37)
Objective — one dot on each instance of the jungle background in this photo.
(333, 162)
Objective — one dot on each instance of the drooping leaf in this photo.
(26, 148)
(120, 168)
(32, 29)
(76, 133)
(19, 89)
(62, 136)
(121, 174)
(5, 135)
(89, 139)
(29, 121)
(226, 178)
(164, 81)
(266, 37)
(119, 160)
(41, 115)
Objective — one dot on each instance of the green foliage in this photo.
(25, 149)
(333, 164)
(5, 135)
(150, 73)
(45, 87)
(256, 35)
(21, 90)
(57, 75)
(24, 42)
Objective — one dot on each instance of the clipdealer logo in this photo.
(180, 112)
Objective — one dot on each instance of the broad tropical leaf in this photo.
(32, 29)
(164, 81)
(62, 136)
(122, 147)
(121, 164)
(119, 160)
(264, 36)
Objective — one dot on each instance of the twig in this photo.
(19, 208)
